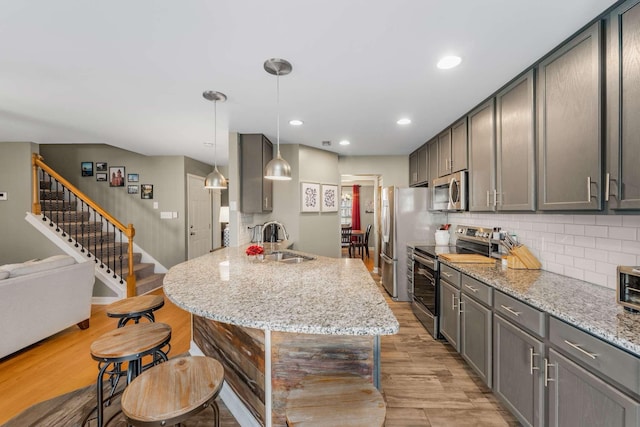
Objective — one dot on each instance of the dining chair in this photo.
(346, 238)
(362, 244)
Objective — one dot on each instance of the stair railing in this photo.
(41, 172)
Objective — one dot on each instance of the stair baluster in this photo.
(101, 241)
(121, 255)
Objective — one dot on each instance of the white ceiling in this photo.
(131, 73)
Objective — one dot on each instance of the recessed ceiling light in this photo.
(449, 62)
(296, 122)
(344, 142)
(404, 121)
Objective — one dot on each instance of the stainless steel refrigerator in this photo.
(404, 219)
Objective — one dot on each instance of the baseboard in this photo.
(237, 408)
(104, 300)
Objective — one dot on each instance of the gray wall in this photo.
(394, 170)
(164, 239)
(19, 241)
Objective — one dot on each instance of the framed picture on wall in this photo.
(101, 176)
(101, 166)
(116, 176)
(132, 177)
(146, 191)
(310, 197)
(329, 198)
(132, 189)
(86, 168)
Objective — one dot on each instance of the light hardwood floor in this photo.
(425, 382)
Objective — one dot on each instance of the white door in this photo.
(200, 217)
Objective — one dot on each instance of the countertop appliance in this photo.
(628, 289)
(404, 218)
(426, 266)
(449, 193)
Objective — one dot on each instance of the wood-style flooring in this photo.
(424, 381)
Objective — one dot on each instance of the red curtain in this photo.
(355, 208)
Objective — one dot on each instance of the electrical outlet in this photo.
(4, 195)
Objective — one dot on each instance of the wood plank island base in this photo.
(273, 323)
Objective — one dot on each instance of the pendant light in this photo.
(215, 180)
(278, 169)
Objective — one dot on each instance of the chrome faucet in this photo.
(279, 224)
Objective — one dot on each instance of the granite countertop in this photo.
(589, 307)
(335, 296)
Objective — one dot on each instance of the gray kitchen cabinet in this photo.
(444, 153)
(515, 152)
(482, 158)
(413, 168)
(450, 313)
(256, 192)
(569, 92)
(517, 378)
(432, 154)
(459, 151)
(578, 398)
(476, 336)
(622, 180)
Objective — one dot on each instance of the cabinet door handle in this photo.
(581, 350)
(453, 302)
(446, 274)
(589, 196)
(531, 356)
(510, 310)
(471, 288)
(606, 187)
(495, 197)
(547, 380)
(488, 197)
(450, 164)
(460, 309)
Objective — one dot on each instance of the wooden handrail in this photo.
(128, 230)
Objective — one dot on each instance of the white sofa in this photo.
(42, 297)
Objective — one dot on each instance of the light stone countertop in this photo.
(589, 307)
(335, 296)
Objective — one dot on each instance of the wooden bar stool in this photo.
(171, 392)
(134, 308)
(129, 344)
(335, 400)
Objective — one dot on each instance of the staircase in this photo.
(90, 234)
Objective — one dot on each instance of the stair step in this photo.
(95, 239)
(51, 195)
(58, 205)
(66, 216)
(140, 270)
(45, 185)
(77, 227)
(111, 250)
(149, 283)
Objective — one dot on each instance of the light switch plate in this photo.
(4, 195)
(166, 215)
(155, 205)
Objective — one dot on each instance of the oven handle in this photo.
(424, 261)
(424, 273)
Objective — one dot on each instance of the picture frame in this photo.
(330, 198)
(86, 168)
(146, 191)
(132, 177)
(101, 177)
(309, 197)
(116, 176)
(101, 167)
(132, 189)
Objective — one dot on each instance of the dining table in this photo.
(357, 237)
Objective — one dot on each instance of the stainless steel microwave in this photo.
(449, 193)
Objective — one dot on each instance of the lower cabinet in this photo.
(578, 398)
(450, 314)
(518, 376)
(475, 337)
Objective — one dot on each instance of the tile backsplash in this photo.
(585, 247)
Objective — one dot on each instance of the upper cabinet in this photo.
(570, 125)
(418, 167)
(256, 192)
(622, 180)
(515, 154)
(458, 160)
(444, 153)
(482, 143)
(432, 153)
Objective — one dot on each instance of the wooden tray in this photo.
(467, 258)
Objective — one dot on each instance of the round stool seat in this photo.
(131, 342)
(134, 308)
(173, 391)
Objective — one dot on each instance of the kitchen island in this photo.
(271, 323)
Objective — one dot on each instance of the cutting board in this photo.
(467, 258)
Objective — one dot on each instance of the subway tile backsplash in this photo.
(585, 247)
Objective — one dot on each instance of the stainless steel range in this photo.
(425, 287)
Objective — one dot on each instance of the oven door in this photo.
(424, 284)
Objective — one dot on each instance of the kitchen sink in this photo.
(288, 257)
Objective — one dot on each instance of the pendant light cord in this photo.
(215, 134)
(278, 111)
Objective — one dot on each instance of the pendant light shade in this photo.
(215, 180)
(278, 169)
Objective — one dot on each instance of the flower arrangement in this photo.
(254, 250)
